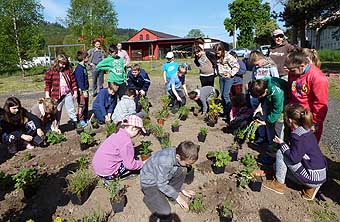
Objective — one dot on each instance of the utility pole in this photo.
(234, 37)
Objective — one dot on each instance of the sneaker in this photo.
(275, 186)
(309, 193)
(82, 123)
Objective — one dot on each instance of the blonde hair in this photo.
(50, 105)
(60, 59)
(299, 115)
(312, 54)
(255, 56)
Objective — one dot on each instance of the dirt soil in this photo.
(55, 163)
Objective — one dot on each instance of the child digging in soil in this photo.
(302, 161)
(162, 177)
(241, 113)
(176, 82)
(115, 156)
(125, 107)
(203, 97)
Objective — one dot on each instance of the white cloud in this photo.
(54, 9)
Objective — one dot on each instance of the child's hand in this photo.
(278, 140)
(57, 131)
(142, 92)
(182, 202)
(188, 193)
(261, 122)
(107, 118)
(75, 95)
(86, 94)
(40, 132)
(179, 99)
(27, 138)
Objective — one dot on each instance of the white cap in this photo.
(169, 55)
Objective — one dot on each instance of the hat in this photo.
(169, 55)
(277, 32)
(136, 121)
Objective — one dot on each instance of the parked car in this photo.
(264, 49)
(26, 64)
(240, 52)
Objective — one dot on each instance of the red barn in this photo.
(149, 44)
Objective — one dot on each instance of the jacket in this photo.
(140, 82)
(279, 55)
(52, 82)
(268, 69)
(116, 67)
(204, 65)
(82, 77)
(228, 66)
(125, 107)
(105, 102)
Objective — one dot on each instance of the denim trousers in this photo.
(98, 79)
(69, 105)
(225, 86)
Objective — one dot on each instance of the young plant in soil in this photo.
(86, 140)
(183, 112)
(202, 135)
(249, 162)
(27, 156)
(196, 205)
(110, 128)
(144, 101)
(157, 130)
(147, 125)
(248, 133)
(244, 177)
(175, 126)
(146, 152)
(80, 185)
(233, 151)
(83, 162)
(214, 109)
(116, 194)
(165, 101)
(222, 158)
(225, 212)
(27, 180)
(164, 140)
(54, 138)
(162, 114)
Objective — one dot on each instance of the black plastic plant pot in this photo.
(189, 178)
(38, 141)
(118, 206)
(201, 138)
(256, 185)
(211, 123)
(211, 158)
(217, 170)
(175, 129)
(82, 197)
(233, 154)
(29, 192)
(183, 118)
(84, 146)
(228, 218)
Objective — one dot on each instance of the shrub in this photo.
(329, 55)
(145, 103)
(54, 138)
(25, 177)
(110, 128)
(249, 162)
(214, 109)
(80, 180)
(183, 111)
(165, 101)
(157, 130)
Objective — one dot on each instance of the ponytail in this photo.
(299, 115)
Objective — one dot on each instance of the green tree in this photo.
(195, 33)
(263, 31)
(90, 19)
(246, 15)
(19, 31)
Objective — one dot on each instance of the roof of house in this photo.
(161, 34)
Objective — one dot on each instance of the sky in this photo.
(176, 17)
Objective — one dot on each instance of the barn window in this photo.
(147, 37)
(140, 37)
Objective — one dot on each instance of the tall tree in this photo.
(246, 15)
(195, 33)
(90, 19)
(19, 33)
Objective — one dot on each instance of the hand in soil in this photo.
(188, 193)
(277, 140)
(182, 202)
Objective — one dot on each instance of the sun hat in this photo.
(277, 32)
(136, 121)
(169, 55)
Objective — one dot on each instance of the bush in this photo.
(329, 55)
(80, 180)
(25, 177)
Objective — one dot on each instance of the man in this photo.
(96, 55)
(124, 55)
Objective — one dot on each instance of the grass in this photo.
(334, 88)
(324, 215)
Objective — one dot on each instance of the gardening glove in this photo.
(182, 202)
(188, 193)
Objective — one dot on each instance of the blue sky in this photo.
(175, 17)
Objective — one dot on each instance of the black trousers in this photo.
(207, 80)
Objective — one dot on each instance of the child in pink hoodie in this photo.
(115, 156)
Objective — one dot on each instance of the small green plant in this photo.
(157, 130)
(214, 109)
(162, 113)
(25, 177)
(211, 154)
(80, 180)
(146, 144)
(248, 133)
(83, 162)
(324, 215)
(145, 103)
(196, 204)
(249, 162)
(175, 123)
(92, 217)
(110, 128)
(54, 138)
(203, 131)
(225, 209)
(58, 219)
(183, 112)
(116, 191)
(146, 122)
(165, 140)
(165, 100)
(27, 156)
(244, 177)
(86, 138)
(222, 158)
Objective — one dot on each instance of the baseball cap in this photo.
(136, 121)
(277, 32)
(169, 55)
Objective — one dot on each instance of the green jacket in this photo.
(116, 67)
(275, 99)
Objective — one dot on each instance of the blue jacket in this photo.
(141, 82)
(105, 102)
(82, 78)
(238, 78)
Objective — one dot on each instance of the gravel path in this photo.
(331, 132)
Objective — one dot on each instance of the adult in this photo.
(278, 52)
(96, 55)
(207, 75)
(308, 86)
(124, 55)
(227, 69)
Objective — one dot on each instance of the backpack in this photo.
(213, 59)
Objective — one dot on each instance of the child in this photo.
(115, 156)
(46, 111)
(60, 85)
(96, 55)
(207, 74)
(19, 127)
(115, 65)
(303, 159)
(105, 103)
(263, 66)
(138, 80)
(174, 88)
(162, 177)
(125, 107)
(240, 114)
(203, 97)
(312, 56)
(237, 86)
(169, 69)
(83, 88)
(308, 86)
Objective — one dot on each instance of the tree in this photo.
(247, 15)
(196, 33)
(19, 34)
(263, 31)
(90, 19)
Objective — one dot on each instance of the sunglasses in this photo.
(279, 36)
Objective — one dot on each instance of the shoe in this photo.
(275, 186)
(73, 124)
(82, 123)
(309, 193)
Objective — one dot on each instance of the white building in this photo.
(329, 38)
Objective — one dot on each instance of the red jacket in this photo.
(52, 82)
(311, 91)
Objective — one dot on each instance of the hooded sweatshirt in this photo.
(268, 69)
(116, 67)
(279, 54)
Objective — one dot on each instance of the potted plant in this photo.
(27, 180)
(83, 162)
(233, 151)
(256, 183)
(86, 140)
(117, 193)
(161, 115)
(164, 140)
(243, 177)
(225, 212)
(53, 138)
(175, 126)
(183, 112)
(222, 159)
(214, 109)
(165, 101)
(196, 110)
(211, 156)
(202, 135)
(145, 103)
(157, 130)
(110, 128)
(80, 185)
(146, 152)
(147, 125)
(189, 177)
(196, 205)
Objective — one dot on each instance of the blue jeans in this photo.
(97, 76)
(225, 86)
(99, 116)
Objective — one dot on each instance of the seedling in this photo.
(110, 128)
(162, 113)
(249, 162)
(214, 109)
(83, 162)
(145, 103)
(116, 191)
(203, 131)
(183, 112)
(86, 138)
(165, 100)
(196, 204)
(175, 124)
(244, 177)
(54, 138)
(80, 180)
(248, 134)
(222, 158)
(25, 177)
(27, 156)
(146, 150)
(225, 211)
(165, 140)
(157, 130)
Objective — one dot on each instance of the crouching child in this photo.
(203, 97)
